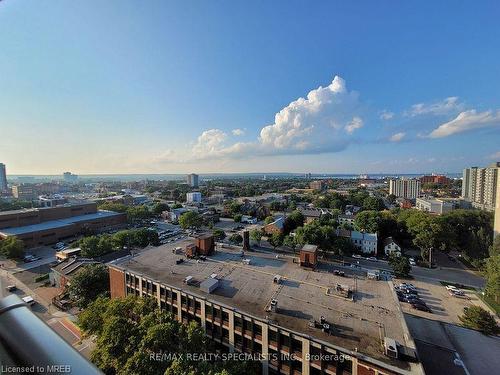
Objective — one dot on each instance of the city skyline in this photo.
(159, 92)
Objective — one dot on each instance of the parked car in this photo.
(421, 307)
(11, 288)
(407, 285)
(451, 287)
(459, 294)
(410, 298)
(373, 259)
(357, 256)
(406, 290)
(30, 258)
(29, 300)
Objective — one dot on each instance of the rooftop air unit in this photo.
(209, 285)
(390, 348)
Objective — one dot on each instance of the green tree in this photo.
(367, 221)
(256, 235)
(190, 219)
(400, 265)
(475, 317)
(136, 213)
(112, 206)
(391, 198)
(237, 218)
(268, 220)
(373, 203)
(236, 238)
(294, 220)
(123, 238)
(276, 240)
(492, 274)
(277, 206)
(290, 242)
(495, 247)
(93, 246)
(316, 234)
(12, 247)
(143, 237)
(128, 330)
(158, 208)
(89, 283)
(343, 246)
(219, 234)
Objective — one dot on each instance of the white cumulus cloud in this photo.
(444, 107)
(356, 123)
(321, 122)
(466, 121)
(397, 137)
(238, 132)
(386, 115)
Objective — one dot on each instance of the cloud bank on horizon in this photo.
(328, 120)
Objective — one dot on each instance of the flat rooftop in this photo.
(24, 210)
(54, 224)
(302, 294)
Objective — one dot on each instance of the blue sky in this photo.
(238, 86)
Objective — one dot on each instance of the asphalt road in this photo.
(454, 274)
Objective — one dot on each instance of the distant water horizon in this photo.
(210, 176)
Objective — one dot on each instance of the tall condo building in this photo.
(70, 177)
(496, 226)
(194, 197)
(408, 188)
(479, 186)
(192, 180)
(3, 178)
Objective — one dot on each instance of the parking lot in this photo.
(444, 307)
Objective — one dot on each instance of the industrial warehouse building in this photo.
(45, 226)
(295, 319)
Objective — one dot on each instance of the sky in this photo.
(238, 86)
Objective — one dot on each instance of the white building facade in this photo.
(479, 186)
(408, 188)
(194, 197)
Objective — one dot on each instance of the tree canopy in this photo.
(475, 317)
(190, 219)
(400, 265)
(130, 331)
(12, 247)
(89, 283)
(96, 246)
(219, 234)
(492, 274)
(236, 238)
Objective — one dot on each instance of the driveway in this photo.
(444, 307)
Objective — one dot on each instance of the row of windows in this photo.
(247, 332)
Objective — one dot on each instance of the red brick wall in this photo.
(116, 283)
(205, 245)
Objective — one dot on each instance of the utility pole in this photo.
(430, 257)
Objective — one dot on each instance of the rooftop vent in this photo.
(209, 285)
(390, 348)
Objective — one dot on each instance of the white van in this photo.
(29, 300)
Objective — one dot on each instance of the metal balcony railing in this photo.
(27, 341)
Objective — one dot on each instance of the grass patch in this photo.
(461, 286)
(41, 278)
(495, 306)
